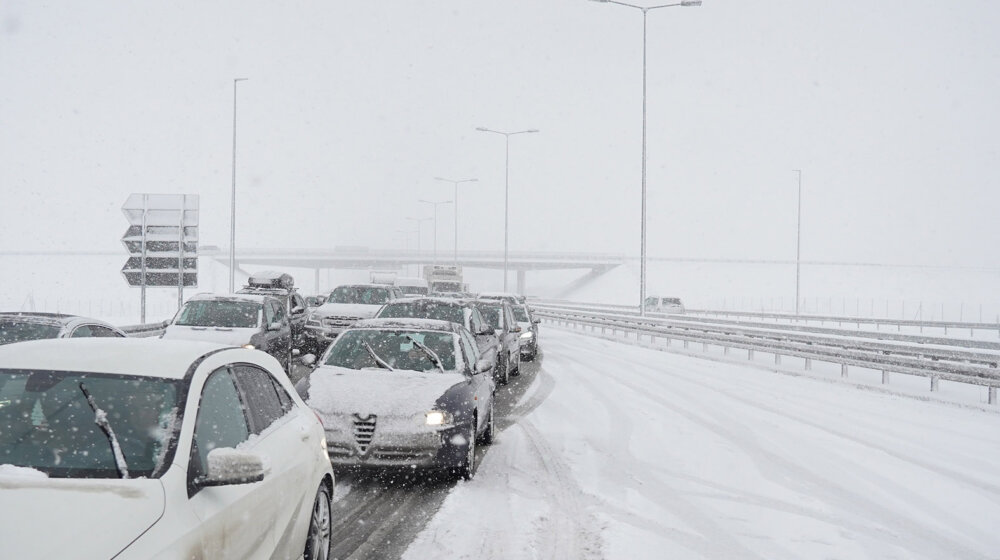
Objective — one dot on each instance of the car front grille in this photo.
(364, 431)
(340, 321)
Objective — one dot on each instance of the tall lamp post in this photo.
(506, 191)
(420, 231)
(435, 204)
(456, 182)
(232, 203)
(798, 243)
(645, 10)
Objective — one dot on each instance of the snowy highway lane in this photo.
(617, 451)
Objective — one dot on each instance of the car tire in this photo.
(517, 365)
(319, 538)
(489, 434)
(468, 466)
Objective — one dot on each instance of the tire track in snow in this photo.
(789, 474)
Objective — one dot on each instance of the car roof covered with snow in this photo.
(150, 357)
(407, 324)
(256, 298)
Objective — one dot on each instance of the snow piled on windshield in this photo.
(14, 471)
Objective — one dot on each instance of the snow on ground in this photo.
(627, 452)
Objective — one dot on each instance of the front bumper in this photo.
(393, 447)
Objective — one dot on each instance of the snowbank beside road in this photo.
(637, 453)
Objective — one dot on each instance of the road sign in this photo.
(162, 242)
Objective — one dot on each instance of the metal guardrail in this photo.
(952, 364)
(147, 330)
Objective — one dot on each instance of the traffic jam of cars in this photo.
(183, 434)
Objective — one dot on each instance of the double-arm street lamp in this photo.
(506, 192)
(456, 182)
(435, 204)
(232, 205)
(645, 10)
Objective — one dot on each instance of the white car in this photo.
(658, 304)
(143, 448)
(345, 306)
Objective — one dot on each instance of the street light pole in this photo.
(506, 192)
(456, 182)
(435, 204)
(420, 231)
(232, 203)
(798, 244)
(642, 245)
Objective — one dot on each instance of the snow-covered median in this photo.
(637, 453)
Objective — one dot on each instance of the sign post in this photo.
(162, 242)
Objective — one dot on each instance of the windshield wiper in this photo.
(430, 353)
(371, 352)
(101, 419)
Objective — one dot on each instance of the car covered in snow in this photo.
(403, 393)
(21, 326)
(345, 306)
(412, 286)
(143, 448)
(457, 311)
(251, 321)
(513, 299)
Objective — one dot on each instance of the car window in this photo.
(298, 301)
(286, 401)
(17, 331)
(220, 313)
(259, 395)
(103, 332)
(221, 420)
(268, 313)
(470, 349)
(81, 332)
(476, 321)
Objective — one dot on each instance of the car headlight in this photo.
(526, 335)
(439, 418)
(249, 346)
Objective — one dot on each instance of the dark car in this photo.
(403, 393)
(462, 312)
(282, 286)
(498, 314)
(21, 326)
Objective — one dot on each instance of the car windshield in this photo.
(19, 331)
(221, 313)
(367, 295)
(395, 348)
(425, 310)
(491, 314)
(411, 290)
(49, 426)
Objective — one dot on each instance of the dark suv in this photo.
(282, 286)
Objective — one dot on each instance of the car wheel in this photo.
(490, 433)
(517, 364)
(318, 540)
(468, 466)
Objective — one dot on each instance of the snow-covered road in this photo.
(625, 452)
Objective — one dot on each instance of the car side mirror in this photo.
(483, 365)
(275, 326)
(227, 466)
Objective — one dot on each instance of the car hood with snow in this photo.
(336, 391)
(89, 518)
(222, 335)
(359, 310)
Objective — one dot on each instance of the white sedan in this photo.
(145, 448)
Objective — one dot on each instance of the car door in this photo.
(279, 341)
(297, 313)
(511, 339)
(234, 518)
(482, 382)
(486, 340)
(283, 441)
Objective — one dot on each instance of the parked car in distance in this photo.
(529, 330)
(282, 286)
(500, 317)
(22, 326)
(657, 304)
(513, 299)
(251, 321)
(457, 311)
(403, 393)
(315, 301)
(412, 286)
(145, 448)
(345, 306)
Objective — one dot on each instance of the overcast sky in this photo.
(891, 108)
